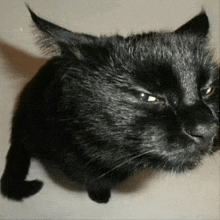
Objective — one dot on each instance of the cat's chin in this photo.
(177, 165)
(183, 166)
(178, 159)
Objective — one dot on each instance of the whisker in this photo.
(121, 164)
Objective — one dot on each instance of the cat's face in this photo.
(147, 100)
(159, 105)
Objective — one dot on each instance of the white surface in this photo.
(194, 195)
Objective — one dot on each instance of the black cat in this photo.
(104, 107)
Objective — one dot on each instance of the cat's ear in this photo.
(198, 25)
(60, 40)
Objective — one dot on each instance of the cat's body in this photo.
(106, 107)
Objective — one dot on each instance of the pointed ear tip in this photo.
(29, 9)
(205, 18)
(27, 6)
(203, 13)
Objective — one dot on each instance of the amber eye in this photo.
(149, 98)
(209, 91)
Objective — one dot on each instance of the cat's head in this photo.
(146, 100)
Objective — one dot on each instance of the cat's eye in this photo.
(149, 98)
(208, 91)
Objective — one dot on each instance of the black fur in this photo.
(104, 107)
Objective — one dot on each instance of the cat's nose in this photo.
(198, 122)
(201, 131)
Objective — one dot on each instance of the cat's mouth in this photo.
(181, 163)
(178, 159)
(176, 163)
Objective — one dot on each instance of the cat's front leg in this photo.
(99, 192)
(13, 184)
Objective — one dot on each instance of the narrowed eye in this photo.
(208, 91)
(149, 98)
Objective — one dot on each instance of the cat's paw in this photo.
(17, 190)
(100, 195)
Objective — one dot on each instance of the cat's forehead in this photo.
(161, 45)
(164, 58)
(159, 51)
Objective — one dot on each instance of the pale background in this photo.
(194, 195)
